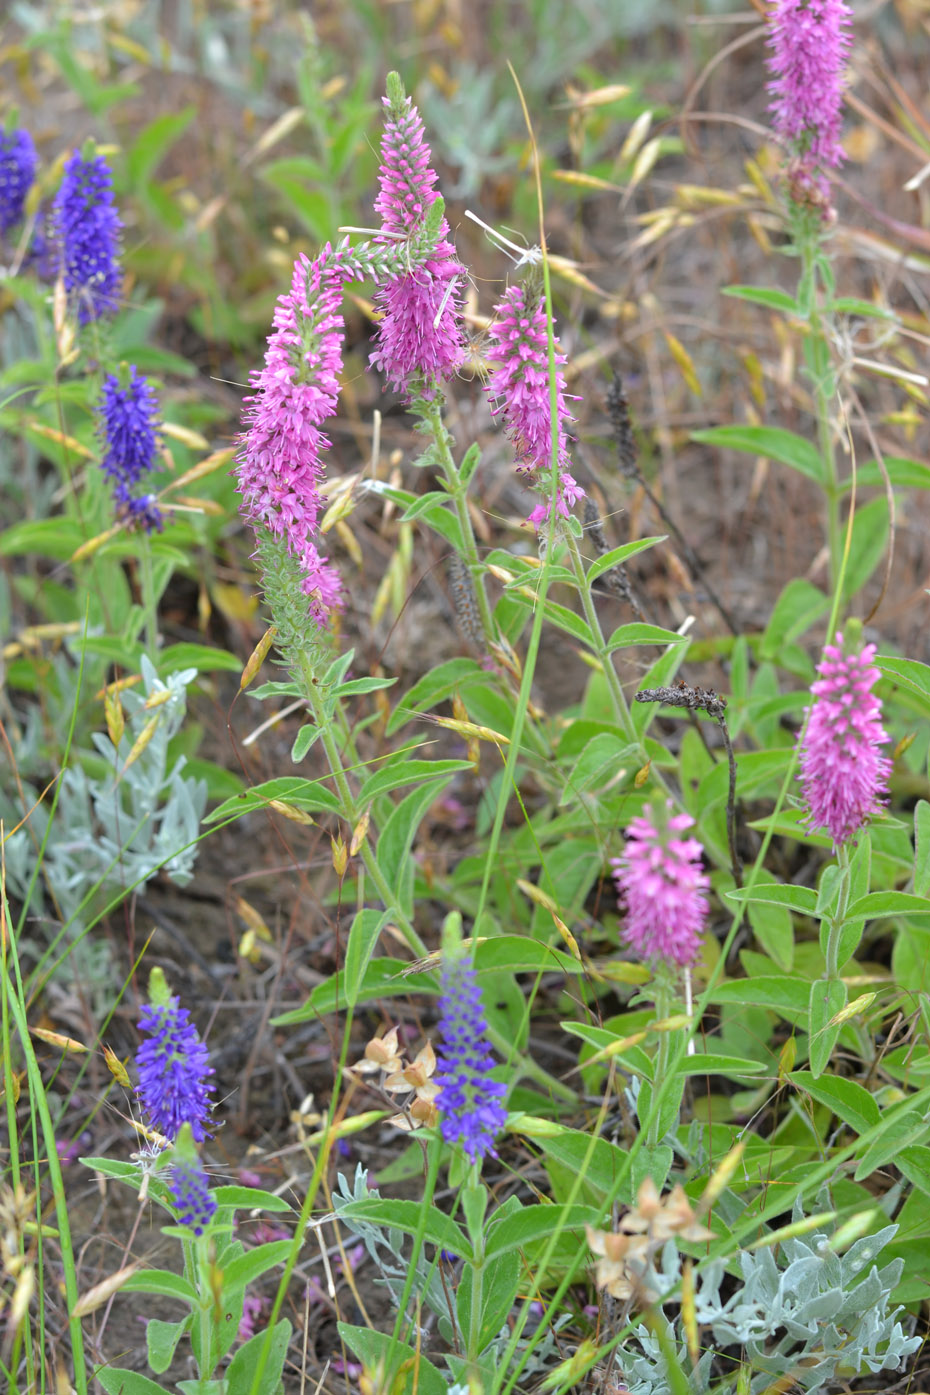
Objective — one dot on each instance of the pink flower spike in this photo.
(661, 886)
(279, 466)
(519, 389)
(844, 779)
(809, 42)
(419, 341)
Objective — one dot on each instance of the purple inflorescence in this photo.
(129, 431)
(844, 778)
(661, 887)
(191, 1194)
(18, 163)
(469, 1101)
(419, 339)
(279, 465)
(173, 1067)
(809, 42)
(87, 226)
(519, 390)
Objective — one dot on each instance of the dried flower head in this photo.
(279, 464)
(469, 1100)
(809, 42)
(399, 1077)
(661, 886)
(519, 389)
(625, 1265)
(87, 225)
(419, 338)
(18, 162)
(173, 1068)
(190, 1193)
(843, 776)
(128, 425)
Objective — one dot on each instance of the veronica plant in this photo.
(170, 1173)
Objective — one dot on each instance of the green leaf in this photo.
(440, 683)
(905, 1128)
(163, 1282)
(711, 1063)
(800, 899)
(470, 462)
(396, 840)
(245, 1269)
(773, 928)
(849, 1100)
(153, 143)
(366, 927)
(57, 538)
(639, 633)
(869, 541)
(827, 998)
(376, 1350)
(788, 996)
(533, 1223)
(408, 772)
(902, 474)
(884, 903)
(575, 1149)
(161, 1339)
(440, 1230)
(363, 685)
(799, 606)
(767, 296)
(914, 1162)
(243, 1369)
(310, 795)
(771, 441)
(203, 657)
(499, 1285)
(618, 555)
(516, 954)
(922, 859)
(911, 676)
(304, 740)
(384, 978)
(117, 1381)
(249, 1198)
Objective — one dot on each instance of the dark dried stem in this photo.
(706, 700)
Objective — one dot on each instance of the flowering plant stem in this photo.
(838, 920)
(458, 490)
(303, 674)
(662, 1006)
(197, 1265)
(149, 603)
(817, 352)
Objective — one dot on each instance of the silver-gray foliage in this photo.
(114, 830)
(801, 1310)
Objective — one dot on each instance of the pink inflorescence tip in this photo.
(661, 887)
(844, 778)
(280, 466)
(519, 389)
(809, 41)
(419, 341)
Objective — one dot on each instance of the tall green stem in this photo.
(837, 921)
(458, 492)
(818, 359)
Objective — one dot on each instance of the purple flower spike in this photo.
(661, 887)
(18, 163)
(809, 40)
(191, 1194)
(469, 1102)
(88, 226)
(519, 389)
(129, 431)
(845, 780)
(419, 338)
(279, 465)
(173, 1067)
